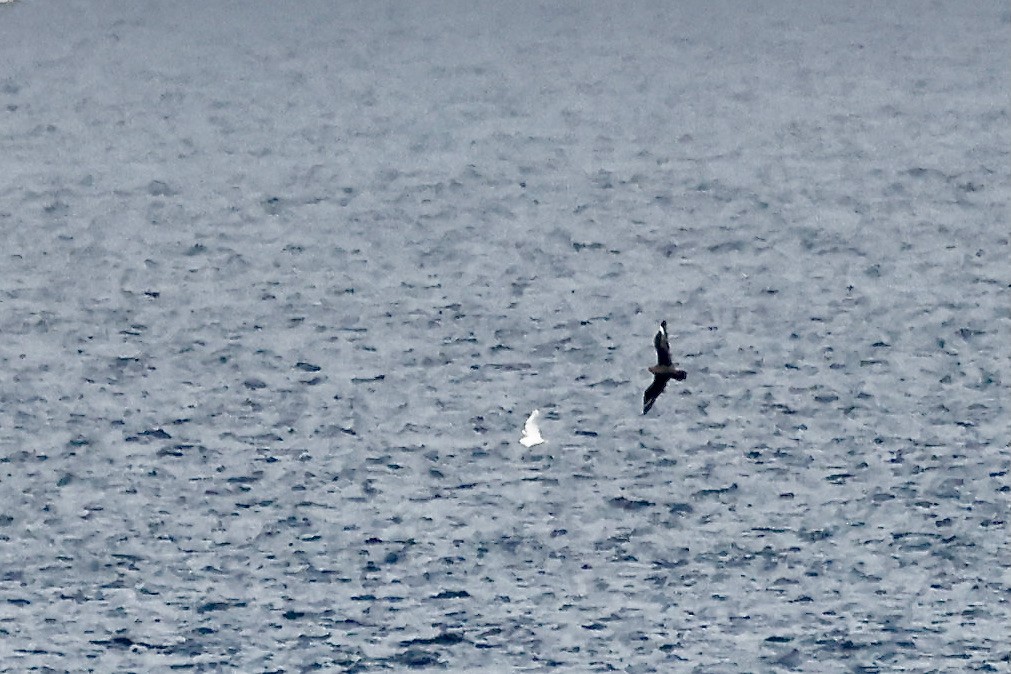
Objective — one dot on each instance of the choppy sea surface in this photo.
(280, 282)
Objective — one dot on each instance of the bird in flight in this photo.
(663, 371)
(531, 433)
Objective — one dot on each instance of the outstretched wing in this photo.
(654, 391)
(662, 348)
(531, 433)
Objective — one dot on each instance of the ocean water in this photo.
(280, 283)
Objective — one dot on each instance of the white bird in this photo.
(531, 433)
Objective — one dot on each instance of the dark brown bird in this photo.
(663, 371)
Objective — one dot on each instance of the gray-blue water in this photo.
(280, 282)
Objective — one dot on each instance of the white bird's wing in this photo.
(531, 433)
